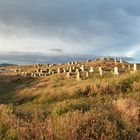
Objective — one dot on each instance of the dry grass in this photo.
(129, 110)
(57, 108)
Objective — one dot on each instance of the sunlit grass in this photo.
(59, 108)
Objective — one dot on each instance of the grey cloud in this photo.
(56, 50)
(98, 25)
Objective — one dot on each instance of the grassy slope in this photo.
(58, 108)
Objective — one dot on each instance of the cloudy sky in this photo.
(99, 27)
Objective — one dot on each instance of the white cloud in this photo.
(133, 51)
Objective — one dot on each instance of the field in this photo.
(55, 107)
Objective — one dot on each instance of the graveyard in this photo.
(103, 66)
(82, 100)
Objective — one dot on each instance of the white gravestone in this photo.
(78, 76)
(135, 67)
(91, 69)
(116, 71)
(100, 71)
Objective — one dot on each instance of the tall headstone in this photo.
(87, 74)
(116, 71)
(100, 71)
(40, 74)
(121, 60)
(115, 60)
(58, 70)
(78, 76)
(38, 70)
(70, 70)
(68, 75)
(50, 71)
(41, 71)
(64, 70)
(135, 67)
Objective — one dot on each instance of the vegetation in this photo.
(59, 108)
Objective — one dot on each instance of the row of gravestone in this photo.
(115, 72)
(115, 59)
(69, 70)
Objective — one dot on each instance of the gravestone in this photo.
(32, 74)
(87, 74)
(135, 67)
(64, 70)
(38, 70)
(73, 68)
(58, 71)
(121, 60)
(77, 70)
(41, 71)
(23, 73)
(91, 69)
(115, 60)
(70, 70)
(82, 68)
(68, 75)
(116, 71)
(100, 71)
(78, 76)
(40, 74)
(50, 71)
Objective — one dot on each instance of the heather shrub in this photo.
(12, 135)
(3, 130)
(70, 106)
(136, 86)
(125, 85)
(129, 110)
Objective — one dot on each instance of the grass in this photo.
(58, 108)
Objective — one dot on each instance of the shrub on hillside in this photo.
(129, 110)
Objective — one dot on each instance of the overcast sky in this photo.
(100, 27)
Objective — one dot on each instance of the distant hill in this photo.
(6, 64)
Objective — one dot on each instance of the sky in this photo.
(98, 27)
